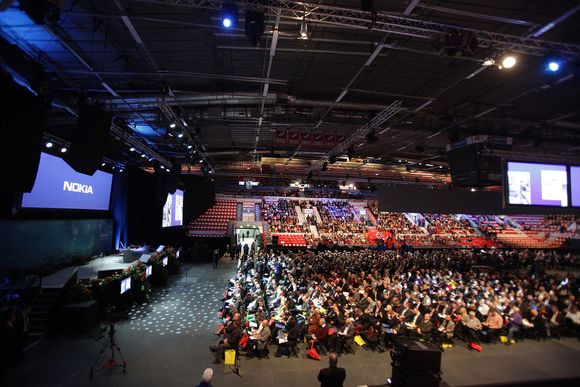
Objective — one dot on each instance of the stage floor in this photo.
(165, 343)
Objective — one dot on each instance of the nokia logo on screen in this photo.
(76, 187)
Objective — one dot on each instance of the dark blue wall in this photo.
(33, 243)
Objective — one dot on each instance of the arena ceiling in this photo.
(154, 62)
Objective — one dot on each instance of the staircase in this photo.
(40, 312)
(317, 215)
(314, 232)
(299, 214)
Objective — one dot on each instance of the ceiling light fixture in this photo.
(304, 34)
(49, 144)
(229, 15)
(63, 150)
(508, 62)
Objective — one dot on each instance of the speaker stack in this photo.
(89, 140)
(21, 128)
(415, 363)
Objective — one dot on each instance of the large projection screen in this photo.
(536, 184)
(58, 186)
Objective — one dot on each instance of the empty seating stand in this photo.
(291, 240)
(214, 222)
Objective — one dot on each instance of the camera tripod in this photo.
(111, 362)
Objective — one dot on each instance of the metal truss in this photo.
(172, 117)
(122, 135)
(360, 134)
(392, 24)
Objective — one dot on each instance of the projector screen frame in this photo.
(505, 185)
(64, 212)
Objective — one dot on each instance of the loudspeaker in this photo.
(417, 356)
(21, 128)
(275, 240)
(470, 167)
(89, 140)
(415, 363)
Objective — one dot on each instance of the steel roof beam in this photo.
(399, 25)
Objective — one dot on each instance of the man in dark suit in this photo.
(332, 376)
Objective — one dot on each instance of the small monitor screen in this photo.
(59, 186)
(125, 285)
(173, 210)
(165, 260)
(148, 271)
(534, 184)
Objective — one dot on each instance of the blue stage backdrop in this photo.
(33, 243)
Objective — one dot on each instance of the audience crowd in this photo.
(330, 297)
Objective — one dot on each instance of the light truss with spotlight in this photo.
(122, 135)
(399, 25)
(173, 118)
(360, 134)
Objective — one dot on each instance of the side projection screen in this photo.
(575, 185)
(533, 184)
(58, 186)
(173, 210)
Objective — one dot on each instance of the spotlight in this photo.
(303, 35)
(162, 167)
(49, 144)
(189, 146)
(553, 66)
(172, 125)
(143, 155)
(229, 15)
(63, 150)
(488, 62)
(120, 171)
(200, 161)
(103, 164)
(508, 62)
(132, 149)
(180, 135)
(254, 27)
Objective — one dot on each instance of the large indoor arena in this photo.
(280, 193)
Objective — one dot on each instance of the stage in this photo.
(86, 272)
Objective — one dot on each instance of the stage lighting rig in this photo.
(229, 15)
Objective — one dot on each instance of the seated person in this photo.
(447, 329)
(515, 323)
(344, 336)
(471, 328)
(260, 338)
(493, 325)
(320, 335)
(229, 340)
(556, 322)
(425, 327)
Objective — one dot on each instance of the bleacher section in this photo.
(340, 222)
(214, 222)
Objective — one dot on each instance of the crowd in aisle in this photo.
(331, 299)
